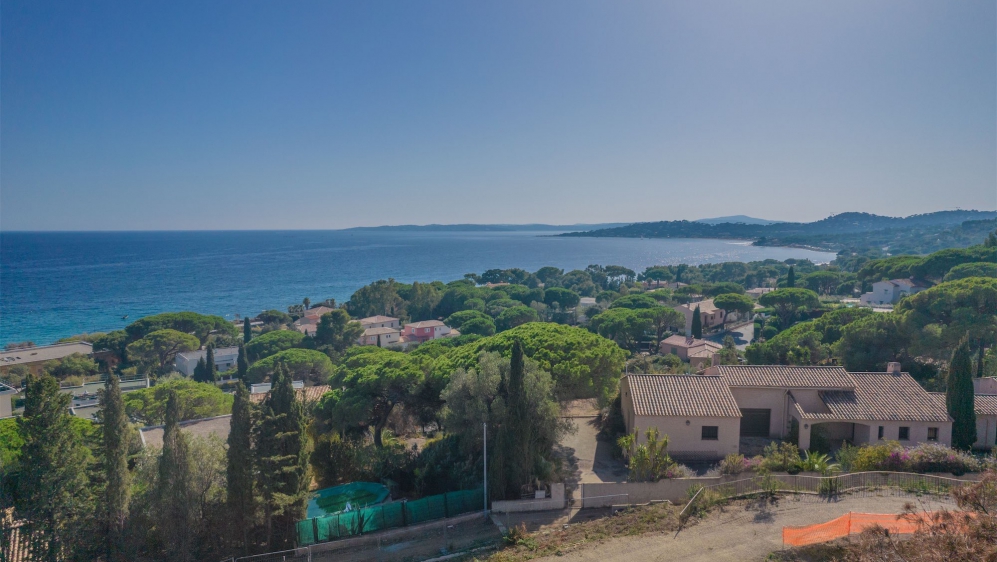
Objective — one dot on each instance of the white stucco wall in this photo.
(986, 432)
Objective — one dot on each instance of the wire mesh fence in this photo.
(825, 487)
(407, 544)
(388, 516)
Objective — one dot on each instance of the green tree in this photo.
(822, 282)
(209, 370)
(458, 319)
(336, 332)
(565, 298)
(479, 326)
(114, 342)
(75, 365)
(282, 461)
(791, 278)
(300, 364)
(380, 297)
(481, 395)
(199, 325)
(662, 318)
(788, 302)
(723, 288)
(697, 323)
(729, 354)
(158, 349)
(274, 317)
(368, 385)
(176, 508)
(976, 269)
(959, 398)
(625, 326)
(871, 342)
(242, 364)
(421, 300)
(53, 489)
(117, 488)
(634, 302)
(734, 303)
(516, 316)
(195, 400)
(247, 330)
(272, 343)
(200, 370)
(240, 498)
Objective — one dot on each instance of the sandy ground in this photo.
(742, 531)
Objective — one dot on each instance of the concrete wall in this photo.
(556, 501)
(607, 494)
(868, 432)
(6, 408)
(685, 440)
(986, 430)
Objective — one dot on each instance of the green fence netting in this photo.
(387, 516)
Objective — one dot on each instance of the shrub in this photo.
(780, 456)
(733, 463)
(926, 457)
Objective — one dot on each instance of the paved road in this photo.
(743, 531)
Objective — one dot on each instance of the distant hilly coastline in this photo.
(916, 234)
(737, 219)
(491, 227)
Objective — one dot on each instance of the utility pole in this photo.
(484, 426)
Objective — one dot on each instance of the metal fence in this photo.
(900, 483)
(422, 542)
(387, 516)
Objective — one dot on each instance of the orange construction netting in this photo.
(852, 524)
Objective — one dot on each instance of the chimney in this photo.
(893, 368)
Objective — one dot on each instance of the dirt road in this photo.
(742, 531)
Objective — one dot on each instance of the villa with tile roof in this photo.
(706, 415)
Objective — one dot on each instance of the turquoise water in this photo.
(358, 494)
(54, 285)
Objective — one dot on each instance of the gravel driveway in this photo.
(745, 530)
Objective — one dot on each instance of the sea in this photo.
(57, 284)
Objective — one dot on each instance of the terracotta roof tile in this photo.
(983, 404)
(307, 394)
(787, 376)
(882, 397)
(682, 395)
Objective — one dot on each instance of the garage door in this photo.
(755, 422)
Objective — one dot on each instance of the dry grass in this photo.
(521, 545)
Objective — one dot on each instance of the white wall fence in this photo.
(556, 501)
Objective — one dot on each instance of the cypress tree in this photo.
(282, 460)
(959, 398)
(200, 370)
(242, 364)
(211, 374)
(791, 277)
(516, 442)
(697, 323)
(176, 508)
(247, 330)
(53, 490)
(241, 504)
(114, 427)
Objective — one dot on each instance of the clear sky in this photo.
(331, 114)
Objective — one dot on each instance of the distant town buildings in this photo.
(698, 353)
(710, 315)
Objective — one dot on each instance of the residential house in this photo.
(308, 395)
(757, 292)
(710, 315)
(985, 406)
(418, 332)
(698, 353)
(34, 357)
(225, 359)
(380, 322)
(6, 396)
(381, 337)
(890, 292)
(775, 401)
(308, 322)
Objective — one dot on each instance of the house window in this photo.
(904, 434)
(932, 434)
(711, 433)
(880, 432)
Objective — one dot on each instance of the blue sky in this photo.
(244, 115)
